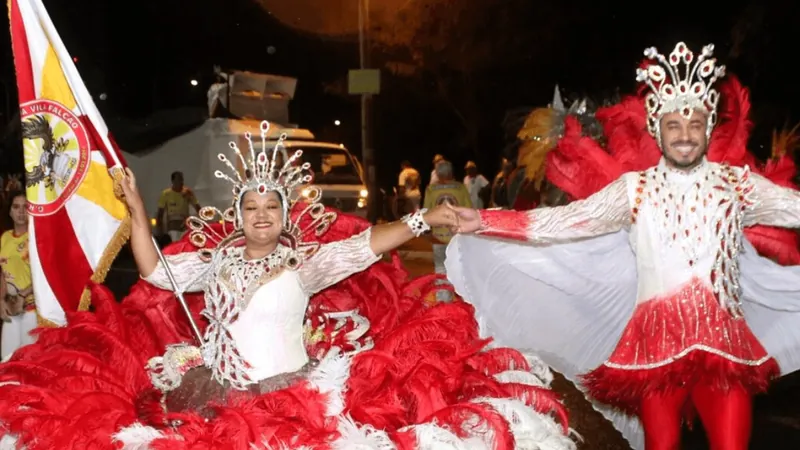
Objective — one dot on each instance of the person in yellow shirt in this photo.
(444, 190)
(174, 204)
(17, 306)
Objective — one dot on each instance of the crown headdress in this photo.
(265, 170)
(680, 83)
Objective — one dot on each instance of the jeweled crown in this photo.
(264, 172)
(680, 83)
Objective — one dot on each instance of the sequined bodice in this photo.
(256, 309)
(268, 333)
(687, 225)
(250, 303)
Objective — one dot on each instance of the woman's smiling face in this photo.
(262, 217)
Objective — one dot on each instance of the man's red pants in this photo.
(726, 416)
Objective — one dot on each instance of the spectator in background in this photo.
(14, 183)
(17, 305)
(477, 185)
(436, 160)
(445, 190)
(500, 185)
(174, 203)
(408, 192)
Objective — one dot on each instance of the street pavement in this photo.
(776, 417)
(417, 257)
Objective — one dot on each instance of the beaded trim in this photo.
(246, 276)
(166, 372)
(684, 353)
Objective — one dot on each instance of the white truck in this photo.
(194, 154)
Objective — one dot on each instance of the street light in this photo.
(194, 82)
(337, 123)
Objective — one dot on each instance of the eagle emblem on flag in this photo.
(56, 154)
(38, 127)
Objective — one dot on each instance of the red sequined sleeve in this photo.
(604, 212)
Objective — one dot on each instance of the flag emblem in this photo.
(57, 154)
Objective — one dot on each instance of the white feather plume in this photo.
(353, 437)
(330, 378)
(137, 437)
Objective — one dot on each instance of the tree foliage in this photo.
(452, 48)
(760, 37)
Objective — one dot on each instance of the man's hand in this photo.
(468, 219)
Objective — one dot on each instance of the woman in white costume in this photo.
(394, 373)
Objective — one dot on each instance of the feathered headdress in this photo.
(542, 130)
(786, 141)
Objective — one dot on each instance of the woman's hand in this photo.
(131, 191)
(144, 252)
(468, 220)
(441, 216)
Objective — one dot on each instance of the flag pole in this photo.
(178, 293)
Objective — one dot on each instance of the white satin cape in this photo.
(569, 303)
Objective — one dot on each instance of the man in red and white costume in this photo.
(647, 294)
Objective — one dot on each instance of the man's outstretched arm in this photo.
(605, 212)
(772, 204)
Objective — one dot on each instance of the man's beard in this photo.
(685, 165)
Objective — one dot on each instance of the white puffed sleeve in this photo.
(188, 269)
(772, 204)
(336, 261)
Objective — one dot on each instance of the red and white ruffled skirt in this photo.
(678, 341)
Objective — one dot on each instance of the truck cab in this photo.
(335, 171)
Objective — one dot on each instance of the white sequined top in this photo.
(678, 222)
(256, 322)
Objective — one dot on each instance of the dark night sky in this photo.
(143, 54)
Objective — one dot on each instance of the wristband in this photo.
(416, 222)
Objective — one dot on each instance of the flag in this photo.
(77, 221)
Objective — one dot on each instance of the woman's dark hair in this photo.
(6, 219)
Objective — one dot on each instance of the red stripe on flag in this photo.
(97, 143)
(117, 149)
(62, 259)
(22, 55)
